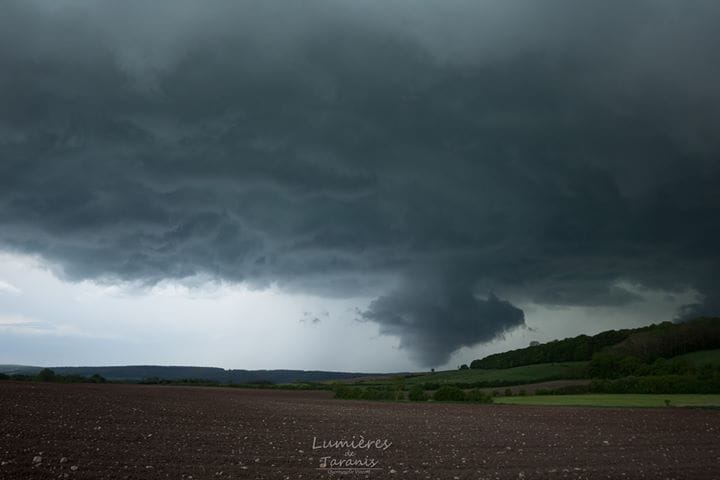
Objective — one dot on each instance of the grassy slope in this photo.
(538, 372)
(527, 373)
(701, 358)
(614, 400)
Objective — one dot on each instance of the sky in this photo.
(340, 185)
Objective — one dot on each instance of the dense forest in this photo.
(646, 344)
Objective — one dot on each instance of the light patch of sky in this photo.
(52, 322)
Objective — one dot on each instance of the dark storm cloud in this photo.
(543, 151)
(433, 317)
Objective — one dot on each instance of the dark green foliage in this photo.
(478, 396)
(370, 393)
(646, 344)
(449, 393)
(605, 365)
(417, 394)
(463, 367)
(662, 366)
(689, 383)
(48, 375)
(343, 391)
(430, 386)
(508, 392)
(376, 394)
(568, 350)
(45, 375)
(671, 340)
(609, 365)
(387, 391)
(185, 381)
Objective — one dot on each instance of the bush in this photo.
(358, 393)
(508, 392)
(662, 366)
(449, 393)
(604, 365)
(430, 386)
(417, 394)
(45, 375)
(342, 392)
(478, 396)
(690, 383)
(371, 394)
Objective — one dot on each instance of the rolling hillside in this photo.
(663, 340)
(524, 374)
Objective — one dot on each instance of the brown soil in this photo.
(124, 431)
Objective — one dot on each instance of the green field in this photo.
(524, 374)
(704, 357)
(614, 400)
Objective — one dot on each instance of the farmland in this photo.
(53, 430)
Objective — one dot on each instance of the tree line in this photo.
(663, 340)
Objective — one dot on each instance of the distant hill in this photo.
(19, 369)
(144, 372)
(663, 340)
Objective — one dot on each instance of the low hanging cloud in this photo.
(545, 151)
(436, 318)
